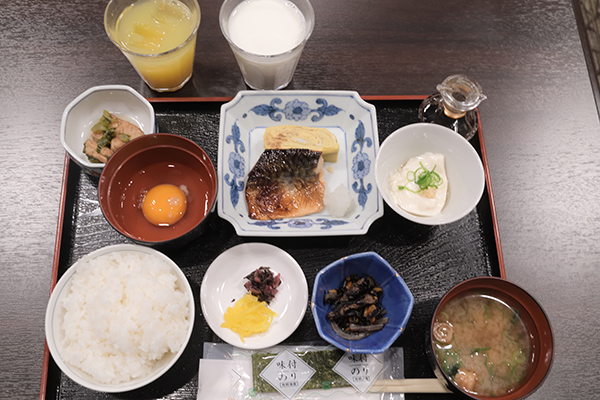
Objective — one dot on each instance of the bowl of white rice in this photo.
(119, 318)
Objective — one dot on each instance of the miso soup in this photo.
(482, 344)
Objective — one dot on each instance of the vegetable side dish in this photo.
(248, 316)
(357, 312)
(263, 283)
(109, 134)
(251, 314)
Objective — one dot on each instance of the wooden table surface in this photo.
(540, 123)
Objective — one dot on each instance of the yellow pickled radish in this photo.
(248, 316)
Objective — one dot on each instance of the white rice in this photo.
(124, 312)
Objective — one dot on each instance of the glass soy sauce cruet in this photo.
(453, 106)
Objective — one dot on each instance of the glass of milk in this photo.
(267, 38)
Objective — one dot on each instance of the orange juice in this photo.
(159, 38)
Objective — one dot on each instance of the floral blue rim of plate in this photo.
(352, 120)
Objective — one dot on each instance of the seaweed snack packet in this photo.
(302, 372)
(321, 361)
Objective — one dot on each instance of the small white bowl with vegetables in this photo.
(102, 119)
(429, 174)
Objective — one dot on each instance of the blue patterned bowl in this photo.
(397, 300)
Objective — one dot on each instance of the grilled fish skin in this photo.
(285, 184)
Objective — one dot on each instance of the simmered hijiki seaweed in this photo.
(357, 311)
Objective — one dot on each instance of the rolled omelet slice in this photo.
(284, 137)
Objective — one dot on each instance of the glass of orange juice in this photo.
(158, 37)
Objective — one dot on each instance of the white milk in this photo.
(269, 33)
(266, 27)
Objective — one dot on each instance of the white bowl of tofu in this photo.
(110, 116)
(429, 174)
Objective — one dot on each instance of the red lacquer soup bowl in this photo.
(475, 309)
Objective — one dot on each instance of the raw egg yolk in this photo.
(164, 205)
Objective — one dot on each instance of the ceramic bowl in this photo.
(149, 161)
(466, 179)
(533, 316)
(397, 300)
(55, 314)
(85, 111)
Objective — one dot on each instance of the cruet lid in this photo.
(460, 94)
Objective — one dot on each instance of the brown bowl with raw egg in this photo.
(159, 190)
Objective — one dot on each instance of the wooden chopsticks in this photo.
(409, 386)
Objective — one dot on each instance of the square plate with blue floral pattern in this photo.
(354, 123)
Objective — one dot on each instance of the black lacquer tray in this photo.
(430, 259)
